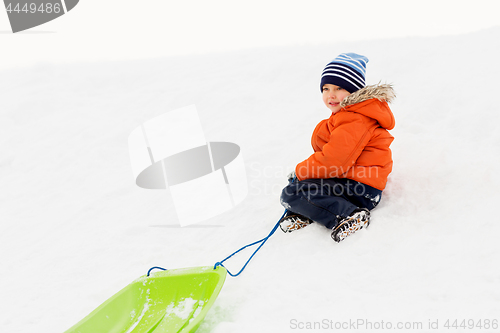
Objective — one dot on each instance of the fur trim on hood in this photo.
(382, 92)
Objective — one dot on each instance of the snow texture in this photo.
(145, 309)
(76, 229)
(183, 309)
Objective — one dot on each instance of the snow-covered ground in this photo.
(75, 228)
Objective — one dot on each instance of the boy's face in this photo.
(333, 95)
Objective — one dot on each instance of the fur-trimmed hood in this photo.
(372, 101)
(382, 92)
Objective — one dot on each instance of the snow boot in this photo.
(291, 222)
(358, 220)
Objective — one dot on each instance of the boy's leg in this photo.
(361, 195)
(322, 200)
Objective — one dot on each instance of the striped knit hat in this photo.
(346, 71)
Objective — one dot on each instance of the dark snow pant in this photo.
(327, 201)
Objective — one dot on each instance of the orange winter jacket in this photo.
(354, 142)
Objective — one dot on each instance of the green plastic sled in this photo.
(167, 301)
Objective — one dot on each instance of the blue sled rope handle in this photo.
(262, 242)
(156, 267)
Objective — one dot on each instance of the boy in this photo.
(342, 181)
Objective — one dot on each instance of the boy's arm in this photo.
(348, 139)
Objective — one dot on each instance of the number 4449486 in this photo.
(484, 324)
(32, 8)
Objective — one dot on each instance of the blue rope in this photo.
(156, 267)
(220, 263)
(262, 242)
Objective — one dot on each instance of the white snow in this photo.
(75, 229)
(182, 309)
(198, 310)
(145, 309)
